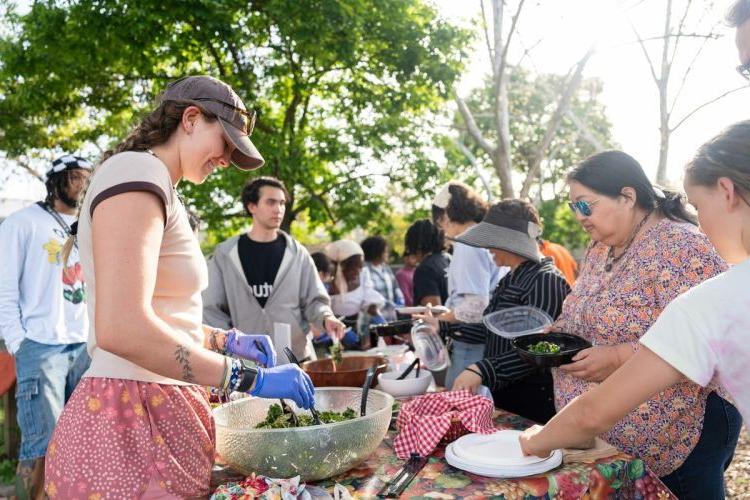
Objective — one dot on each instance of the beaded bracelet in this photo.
(235, 375)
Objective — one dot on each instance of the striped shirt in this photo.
(540, 285)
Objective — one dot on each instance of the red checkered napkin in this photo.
(424, 421)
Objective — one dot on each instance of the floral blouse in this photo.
(618, 307)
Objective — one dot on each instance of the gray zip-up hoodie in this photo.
(298, 298)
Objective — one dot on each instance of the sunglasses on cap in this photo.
(247, 118)
(582, 206)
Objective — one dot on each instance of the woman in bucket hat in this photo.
(139, 424)
(510, 230)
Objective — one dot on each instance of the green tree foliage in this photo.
(345, 89)
(531, 100)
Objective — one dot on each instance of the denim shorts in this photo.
(45, 376)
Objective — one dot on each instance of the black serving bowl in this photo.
(399, 327)
(569, 344)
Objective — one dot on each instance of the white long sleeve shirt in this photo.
(40, 298)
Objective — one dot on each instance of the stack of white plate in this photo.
(497, 455)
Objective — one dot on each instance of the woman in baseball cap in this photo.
(139, 424)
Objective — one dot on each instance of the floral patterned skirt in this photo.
(115, 437)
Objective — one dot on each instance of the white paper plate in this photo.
(422, 309)
(548, 464)
(499, 449)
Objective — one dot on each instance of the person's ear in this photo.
(728, 192)
(629, 195)
(190, 118)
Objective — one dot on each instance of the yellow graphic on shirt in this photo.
(53, 248)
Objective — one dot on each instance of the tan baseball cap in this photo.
(217, 97)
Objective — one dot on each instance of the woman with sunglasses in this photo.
(139, 424)
(645, 251)
(704, 333)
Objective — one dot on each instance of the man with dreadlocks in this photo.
(43, 316)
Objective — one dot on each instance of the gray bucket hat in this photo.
(504, 232)
(219, 98)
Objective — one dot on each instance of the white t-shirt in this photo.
(41, 298)
(359, 299)
(706, 332)
(472, 277)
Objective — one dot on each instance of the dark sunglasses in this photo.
(246, 117)
(582, 206)
(744, 70)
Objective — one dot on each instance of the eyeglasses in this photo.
(582, 206)
(744, 70)
(246, 117)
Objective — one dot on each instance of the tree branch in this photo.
(645, 52)
(679, 32)
(487, 35)
(514, 21)
(664, 79)
(687, 72)
(473, 161)
(570, 89)
(474, 131)
(28, 168)
(584, 130)
(707, 103)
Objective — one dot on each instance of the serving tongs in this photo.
(293, 359)
(397, 484)
(285, 408)
(408, 370)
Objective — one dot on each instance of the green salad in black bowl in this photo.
(546, 350)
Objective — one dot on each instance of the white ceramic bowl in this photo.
(410, 386)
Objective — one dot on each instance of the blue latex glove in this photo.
(399, 302)
(258, 348)
(377, 320)
(323, 340)
(285, 381)
(350, 338)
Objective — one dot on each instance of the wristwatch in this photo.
(248, 372)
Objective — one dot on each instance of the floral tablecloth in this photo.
(619, 476)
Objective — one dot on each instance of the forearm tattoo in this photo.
(182, 355)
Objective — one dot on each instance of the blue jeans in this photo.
(46, 376)
(463, 355)
(701, 476)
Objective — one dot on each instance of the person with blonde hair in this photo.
(139, 424)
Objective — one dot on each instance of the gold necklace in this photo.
(611, 259)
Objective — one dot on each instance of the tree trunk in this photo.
(661, 169)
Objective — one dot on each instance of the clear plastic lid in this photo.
(517, 321)
(429, 347)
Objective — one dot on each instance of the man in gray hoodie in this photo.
(265, 276)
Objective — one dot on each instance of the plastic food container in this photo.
(569, 344)
(429, 347)
(517, 321)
